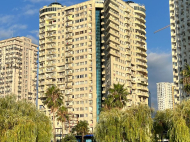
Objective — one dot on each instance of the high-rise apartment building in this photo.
(86, 48)
(165, 94)
(18, 68)
(180, 30)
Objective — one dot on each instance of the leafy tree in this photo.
(81, 129)
(186, 78)
(175, 122)
(69, 138)
(20, 121)
(117, 97)
(109, 127)
(133, 124)
(54, 99)
(62, 116)
(161, 123)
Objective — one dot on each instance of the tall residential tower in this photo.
(86, 48)
(18, 68)
(180, 39)
(165, 95)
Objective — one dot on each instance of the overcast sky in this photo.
(21, 18)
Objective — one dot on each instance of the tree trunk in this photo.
(62, 130)
(82, 137)
(69, 126)
(54, 138)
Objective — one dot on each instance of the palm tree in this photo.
(62, 116)
(117, 97)
(81, 129)
(186, 79)
(54, 99)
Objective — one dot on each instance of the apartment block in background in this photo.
(86, 48)
(165, 96)
(18, 68)
(180, 39)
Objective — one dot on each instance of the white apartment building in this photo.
(180, 42)
(164, 95)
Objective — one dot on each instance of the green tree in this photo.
(117, 97)
(69, 138)
(186, 78)
(133, 124)
(20, 121)
(174, 122)
(54, 100)
(81, 128)
(109, 127)
(161, 123)
(62, 116)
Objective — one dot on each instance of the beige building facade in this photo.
(18, 72)
(86, 48)
(180, 29)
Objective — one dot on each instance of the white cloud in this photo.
(6, 19)
(9, 32)
(18, 26)
(159, 70)
(5, 34)
(31, 11)
(34, 40)
(36, 1)
(36, 32)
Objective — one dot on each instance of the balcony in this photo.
(142, 64)
(69, 31)
(69, 74)
(140, 13)
(140, 18)
(51, 41)
(68, 37)
(68, 80)
(51, 29)
(69, 13)
(69, 49)
(142, 70)
(50, 58)
(113, 46)
(50, 70)
(61, 69)
(143, 94)
(141, 30)
(68, 93)
(114, 39)
(69, 43)
(67, 55)
(51, 52)
(141, 58)
(69, 25)
(141, 52)
(141, 41)
(68, 19)
(69, 86)
(50, 47)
